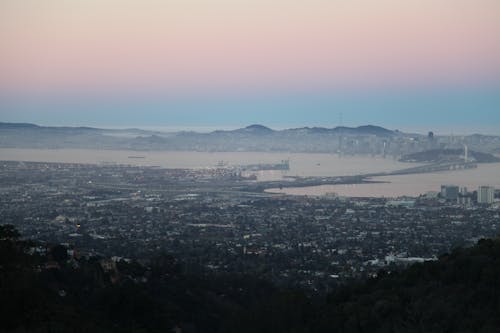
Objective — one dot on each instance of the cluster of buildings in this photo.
(213, 225)
(485, 195)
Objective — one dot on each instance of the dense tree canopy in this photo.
(458, 293)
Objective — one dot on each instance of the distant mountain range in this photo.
(361, 130)
(368, 139)
(255, 129)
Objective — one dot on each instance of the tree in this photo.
(9, 232)
(59, 253)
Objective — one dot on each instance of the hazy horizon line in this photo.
(437, 130)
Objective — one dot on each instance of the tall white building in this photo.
(485, 194)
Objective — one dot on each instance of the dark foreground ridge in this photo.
(46, 288)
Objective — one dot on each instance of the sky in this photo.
(412, 64)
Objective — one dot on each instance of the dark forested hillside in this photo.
(46, 288)
(458, 293)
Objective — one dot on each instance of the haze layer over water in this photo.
(300, 165)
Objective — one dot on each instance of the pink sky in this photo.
(195, 45)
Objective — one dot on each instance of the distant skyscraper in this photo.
(485, 194)
(464, 197)
(449, 192)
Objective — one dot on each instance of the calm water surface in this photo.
(300, 165)
(408, 185)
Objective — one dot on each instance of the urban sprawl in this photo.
(210, 221)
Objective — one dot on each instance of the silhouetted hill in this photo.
(361, 130)
(366, 130)
(46, 289)
(28, 126)
(255, 129)
(458, 293)
(342, 130)
(18, 125)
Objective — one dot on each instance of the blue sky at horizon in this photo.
(447, 111)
